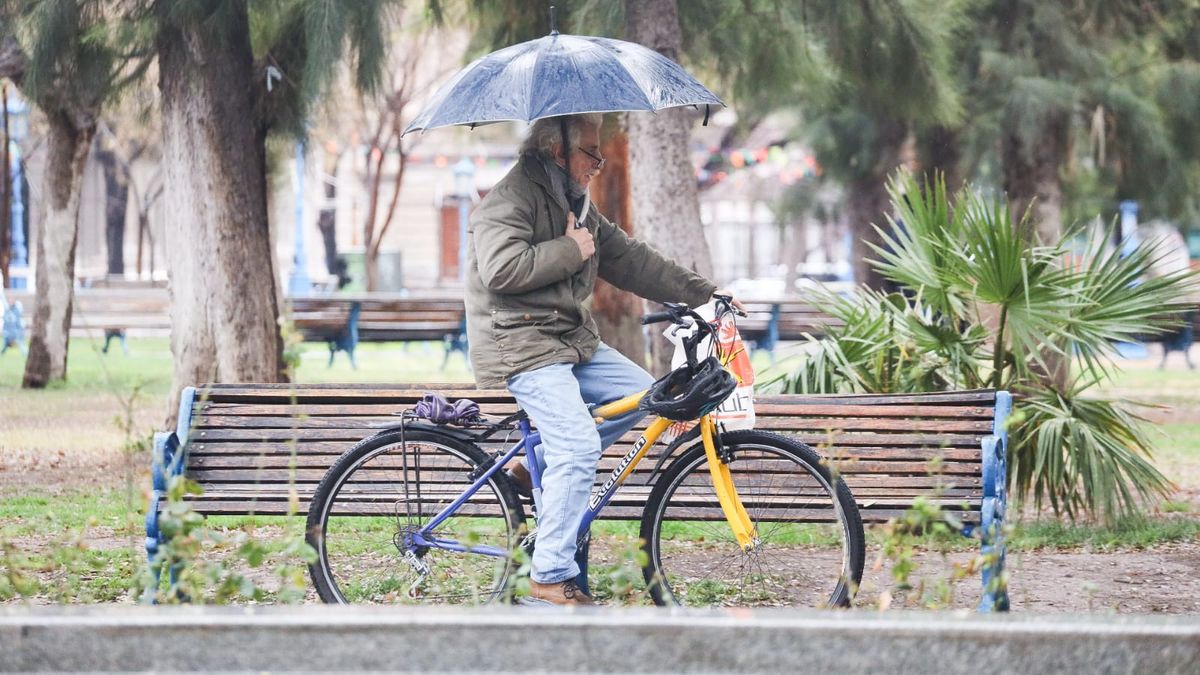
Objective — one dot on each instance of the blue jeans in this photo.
(557, 398)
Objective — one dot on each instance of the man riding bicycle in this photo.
(536, 247)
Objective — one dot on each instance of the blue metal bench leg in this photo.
(995, 499)
(768, 342)
(168, 460)
(993, 549)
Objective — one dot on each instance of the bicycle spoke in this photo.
(798, 557)
(374, 509)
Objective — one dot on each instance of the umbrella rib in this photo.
(533, 76)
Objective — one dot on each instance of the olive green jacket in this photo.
(529, 291)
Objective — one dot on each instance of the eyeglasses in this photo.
(597, 158)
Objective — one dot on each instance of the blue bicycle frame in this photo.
(529, 441)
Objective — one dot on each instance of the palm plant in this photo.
(983, 303)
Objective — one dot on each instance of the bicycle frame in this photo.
(731, 504)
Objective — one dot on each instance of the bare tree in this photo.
(382, 119)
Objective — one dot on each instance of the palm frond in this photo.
(984, 302)
(1082, 455)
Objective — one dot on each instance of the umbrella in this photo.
(561, 75)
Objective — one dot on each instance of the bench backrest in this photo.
(381, 318)
(145, 311)
(890, 449)
(793, 319)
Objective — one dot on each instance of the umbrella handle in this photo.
(566, 150)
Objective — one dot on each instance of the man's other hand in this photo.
(582, 237)
(737, 304)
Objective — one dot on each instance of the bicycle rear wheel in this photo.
(374, 498)
(809, 550)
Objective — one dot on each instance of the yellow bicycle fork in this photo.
(731, 504)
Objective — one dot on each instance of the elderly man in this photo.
(536, 248)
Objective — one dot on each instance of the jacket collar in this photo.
(536, 170)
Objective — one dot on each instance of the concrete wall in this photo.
(317, 638)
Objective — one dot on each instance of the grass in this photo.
(95, 550)
(30, 514)
(1128, 534)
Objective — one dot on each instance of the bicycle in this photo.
(420, 513)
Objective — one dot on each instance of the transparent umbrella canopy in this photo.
(561, 75)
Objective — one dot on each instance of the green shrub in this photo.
(982, 304)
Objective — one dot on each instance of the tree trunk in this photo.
(867, 204)
(69, 141)
(616, 311)
(224, 313)
(6, 195)
(1031, 177)
(116, 202)
(371, 269)
(666, 205)
(795, 251)
(1032, 184)
(327, 222)
(942, 152)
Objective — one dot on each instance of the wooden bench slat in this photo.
(202, 474)
(616, 510)
(274, 456)
(763, 422)
(813, 439)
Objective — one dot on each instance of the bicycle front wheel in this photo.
(376, 499)
(808, 551)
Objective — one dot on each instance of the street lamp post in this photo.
(298, 282)
(18, 267)
(464, 190)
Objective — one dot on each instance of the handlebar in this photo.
(656, 317)
(683, 316)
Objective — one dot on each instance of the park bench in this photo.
(344, 320)
(771, 321)
(239, 443)
(113, 313)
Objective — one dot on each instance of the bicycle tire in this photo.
(360, 514)
(810, 549)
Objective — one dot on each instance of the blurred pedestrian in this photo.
(1173, 259)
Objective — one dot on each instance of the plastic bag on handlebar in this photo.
(737, 412)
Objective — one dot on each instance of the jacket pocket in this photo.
(524, 335)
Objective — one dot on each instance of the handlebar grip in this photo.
(657, 317)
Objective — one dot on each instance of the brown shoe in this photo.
(561, 593)
(521, 480)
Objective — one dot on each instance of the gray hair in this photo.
(547, 131)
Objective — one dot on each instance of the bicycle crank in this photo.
(421, 568)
